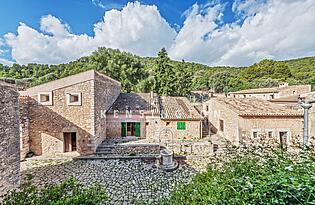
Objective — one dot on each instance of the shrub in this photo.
(255, 177)
(66, 193)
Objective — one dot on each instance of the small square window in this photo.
(168, 123)
(45, 98)
(181, 125)
(270, 134)
(146, 123)
(74, 98)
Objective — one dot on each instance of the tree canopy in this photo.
(166, 76)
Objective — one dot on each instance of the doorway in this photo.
(130, 129)
(283, 139)
(70, 141)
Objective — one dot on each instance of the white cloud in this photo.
(272, 29)
(266, 29)
(6, 62)
(137, 28)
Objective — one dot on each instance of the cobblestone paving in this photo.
(127, 182)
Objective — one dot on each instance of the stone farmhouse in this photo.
(79, 112)
(242, 120)
(283, 90)
(66, 115)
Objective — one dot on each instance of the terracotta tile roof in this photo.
(178, 108)
(256, 107)
(136, 102)
(266, 90)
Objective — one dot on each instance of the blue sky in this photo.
(192, 31)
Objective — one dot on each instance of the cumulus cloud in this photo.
(271, 29)
(264, 29)
(137, 28)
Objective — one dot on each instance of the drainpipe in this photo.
(306, 106)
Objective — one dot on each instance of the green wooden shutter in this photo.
(181, 125)
(137, 129)
(123, 129)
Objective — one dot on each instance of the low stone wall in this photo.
(9, 138)
(191, 148)
(131, 149)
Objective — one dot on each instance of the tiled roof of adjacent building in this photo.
(289, 98)
(256, 107)
(266, 90)
(136, 102)
(178, 108)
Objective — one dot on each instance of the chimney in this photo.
(151, 95)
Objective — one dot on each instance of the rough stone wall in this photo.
(24, 103)
(113, 127)
(297, 89)
(47, 123)
(312, 121)
(192, 131)
(9, 138)
(153, 127)
(262, 125)
(230, 119)
(106, 91)
(130, 149)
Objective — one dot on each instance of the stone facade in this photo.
(49, 123)
(9, 138)
(192, 130)
(240, 128)
(272, 93)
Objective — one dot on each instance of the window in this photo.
(74, 98)
(255, 134)
(45, 98)
(168, 123)
(207, 108)
(146, 123)
(272, 96)
(221, 125)
(270, 134)
(181, 125)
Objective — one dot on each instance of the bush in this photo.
(66, 193)
(253, 178)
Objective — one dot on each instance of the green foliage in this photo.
(256, 177)
(165, 76)
(67, 193)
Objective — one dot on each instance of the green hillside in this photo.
(165, 76)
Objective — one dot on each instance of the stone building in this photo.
(133, 115)
(145, 116)
(243, 120)
(9, 138)
(67, 114)
(272, 93)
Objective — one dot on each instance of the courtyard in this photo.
(126, 181)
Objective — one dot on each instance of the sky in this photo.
(212, 32)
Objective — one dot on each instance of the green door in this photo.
(137, 129)
(123, 129)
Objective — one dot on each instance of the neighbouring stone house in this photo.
(67, 114)
(244, 120)
(9, 138)
(272, 93)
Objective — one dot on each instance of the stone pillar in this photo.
(9, 138)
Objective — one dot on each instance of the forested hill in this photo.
(165, 76)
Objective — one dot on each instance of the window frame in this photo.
(78, 103)
(47, 103)
(221, 125)
(181, 125)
